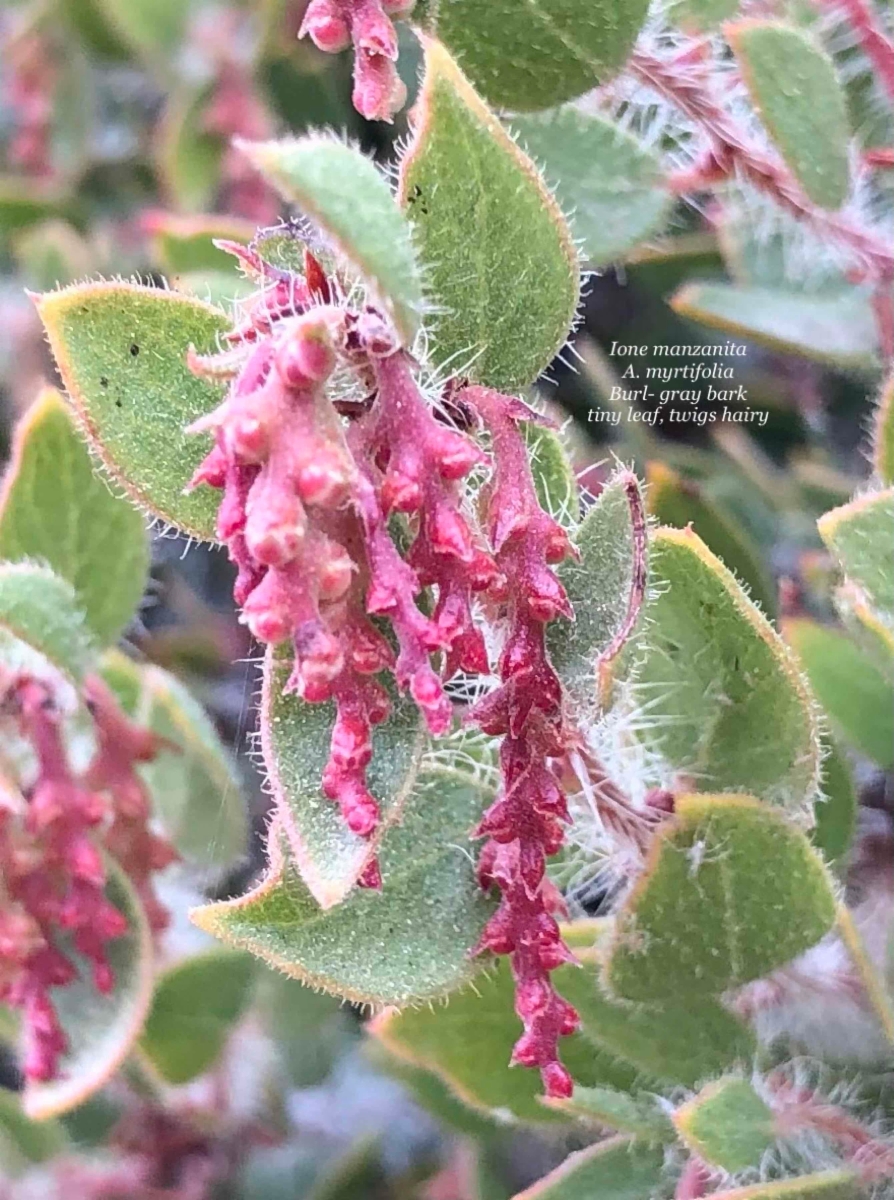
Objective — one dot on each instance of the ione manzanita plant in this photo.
(532, 746)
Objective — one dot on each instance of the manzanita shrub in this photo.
(493, 702)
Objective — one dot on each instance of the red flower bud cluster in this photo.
(334, 25)
(52, 875)
(29, 91)
(307, 515)
(524, 826)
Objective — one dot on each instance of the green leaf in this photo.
(311, 1031)
(431, 1091)
(835, 328)
(349, 201)
(679, 502)
(554, 477)
(610, 183)
(500, 264)
(530, 54)
(617, 1169)
(883, 434)
(727, 1125)
(605, 588)
(796, 91)
(23, 204)
(101, 1030)
(730, 892)
(196, 789)
(55, 508)
(641, 1116)
(50, 253)
(295, 740)
(857, 697)
(725, 701)
(152, 28)
(195, 1006)
(409, 941)
(121, 352)
(186, 244)
(824, 1185)
(836, 810)
(188, 156)
(24, 1142)
(861, 536)
(40, 609)
(701, 15)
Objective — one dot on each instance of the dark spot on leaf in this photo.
(119, 404)
(103, 382)
(134, 349)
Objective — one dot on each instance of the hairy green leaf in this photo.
(41, 610)
(55, 508)
(640, 1116)
(349, 201)
(861, 536)
(726, 703)
(731, 891)
(530, 54)
(857, 697)
(727, 1125)
(837, 328)
(101, 1029)
(195, 1006)
(796, 91)
(836, 810)
(121, 350)
(617, 1169)
(883, 434)
(554, 478)
(610, 183)
(500, 264)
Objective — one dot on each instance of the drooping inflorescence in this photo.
(54, 874)
(343, 500)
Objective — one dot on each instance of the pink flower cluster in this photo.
(336, 526)
(334, 25)
(51, 865)
(29, 91)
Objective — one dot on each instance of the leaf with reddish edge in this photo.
(727, 1124)
(860, 535)
(619, 1168)
(506, 289)
(187, 243)
(295, 740)
(731, 890)
(121, 351)
(101, 1029)
(823, 1185)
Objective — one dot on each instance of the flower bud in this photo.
(326, 27)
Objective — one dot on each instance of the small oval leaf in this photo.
(860, 535)
(40, 609)
(727, 1125)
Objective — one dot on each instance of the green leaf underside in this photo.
(676, 501)
(409, 941)
(837, 328)
(640, 1116)
(349, 201)
(195, 1006)
(617, 1169)
(599, 588)
(860, 535)
(506, 290)
(727, 1125)
(41, 610)
(56, 509)
(796, 91)
(554, 478)
(196, 789)
(101, 1030)
(612, 186)
(121, 350)
(731, 891)
(24, 1142)
(857, 697)
(883, 435)
(529, 54)
(727, 706)
(295, 740)
(824, 1185)
(469, 1041)
(836, 812)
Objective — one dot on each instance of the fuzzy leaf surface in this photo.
(613, 185)
(195, 1006)
(836, 812)
(731, 891)
(101, 1030)
(883, 434)
(121, 351)
(600, 586)
(857, 697)
(617, 1169)
(554, 478)
(295, 743)
(529, 54)
(349, 201)
(796, 91)
(55, 508)
(636, 1115)
(726, 702)
(41, 610)
(861, 536)
(727, 1125)
(506, 288)
(835, 328)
